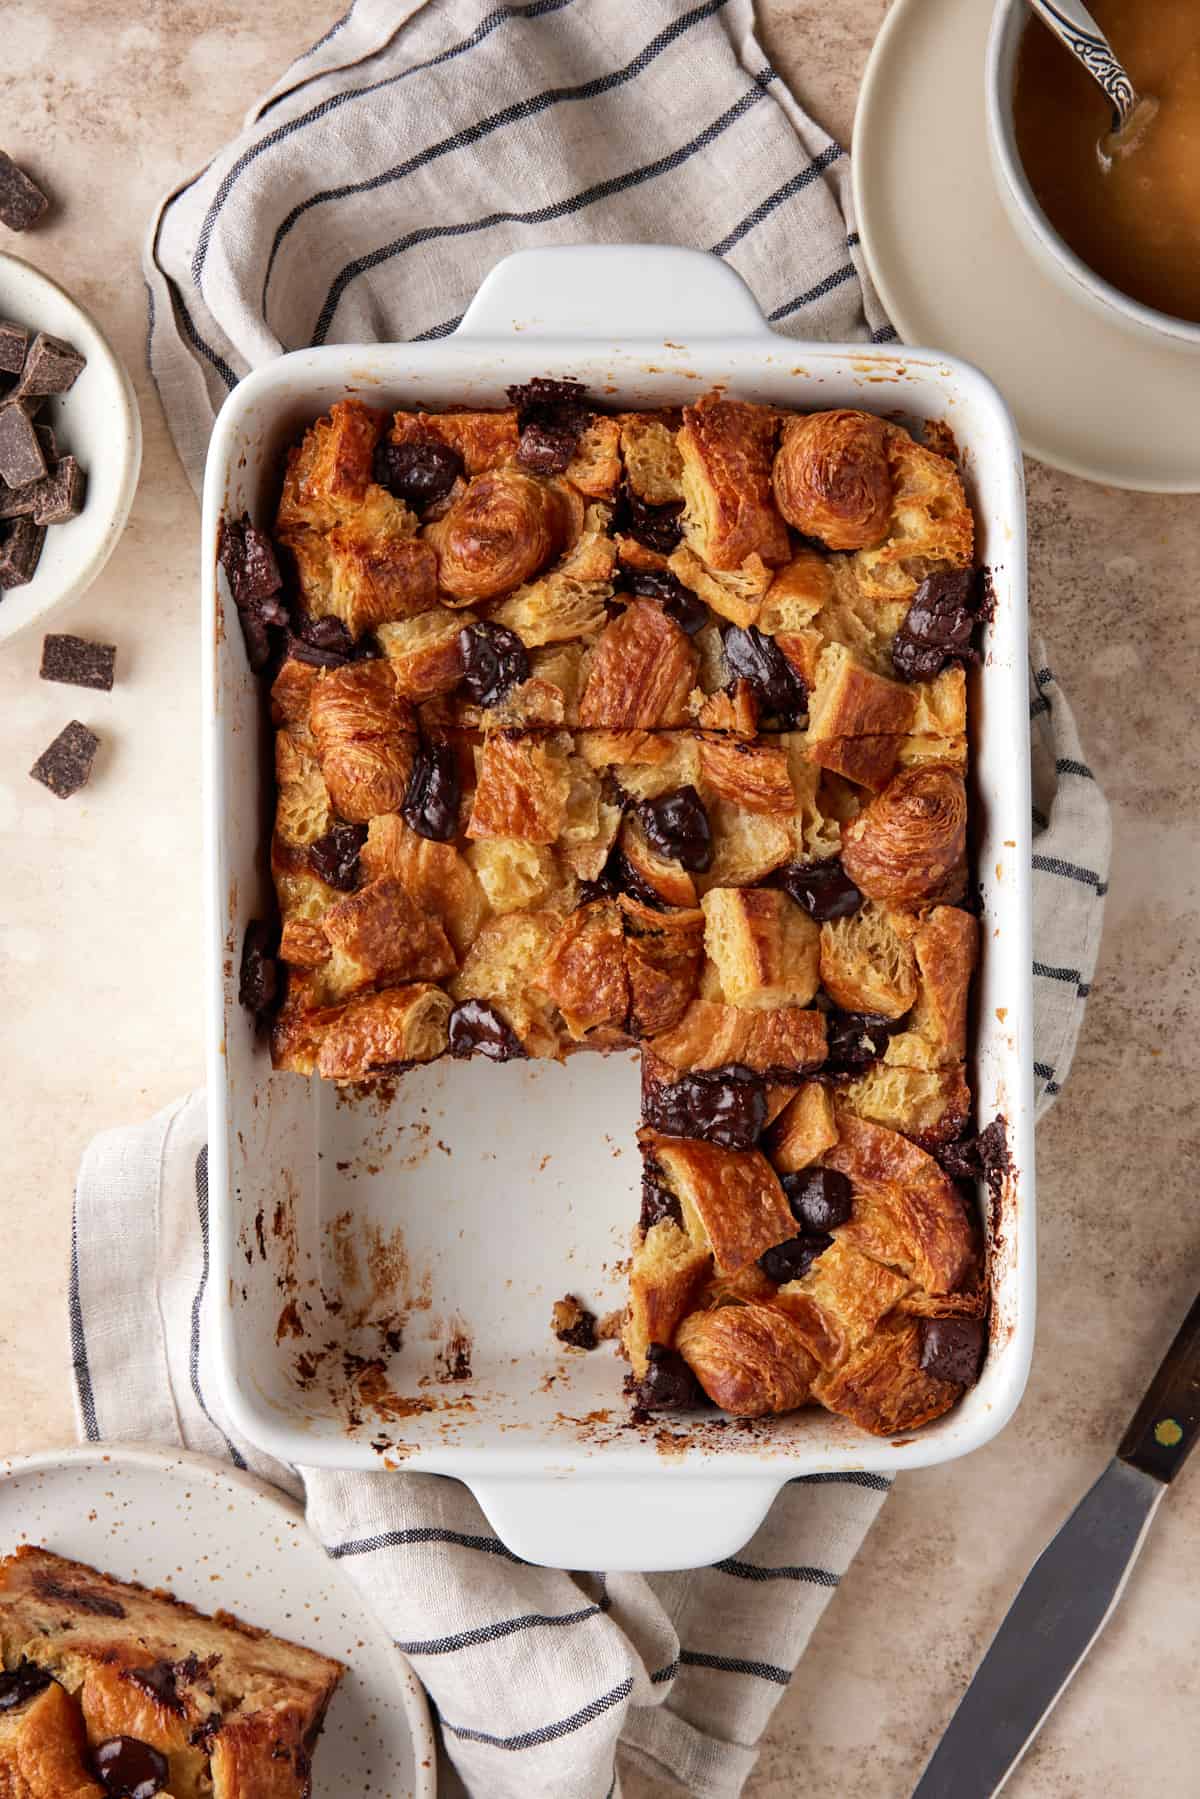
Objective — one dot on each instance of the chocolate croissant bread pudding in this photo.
(600, 730)
(107, 1688)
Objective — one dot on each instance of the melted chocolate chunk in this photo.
(431, 802)
(494, 661)
(127, 1768)
(668, 1384)
(551, 417)
(824, 889)
(334, 857)
(759, 660)
(790, 1260)
(620, 876)
(677, 601)
(478, 1029)
(855, 1040)
(727, 1106)
(419, 472)
(657, 528)
(820, 1198)
(938, 626)
(248, 559)
(159, 1681)
(80, 1599)
(581, 1332)
(258, 988)
(952, 1348)
(676, 825)
(23, 1682)
(657, 1201)
(322, 642)
(984, 1156)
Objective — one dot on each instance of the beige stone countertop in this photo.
(100, 969)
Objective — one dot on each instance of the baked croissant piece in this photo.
(591, 736)
(832, 478)
(500, 532)
(910, 843)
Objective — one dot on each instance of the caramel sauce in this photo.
(1136, 222)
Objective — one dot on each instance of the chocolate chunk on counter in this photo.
(14, 342)
(77, 661)
(67, 765)
(21, 459)
(22, 201)
(52, 366)
(19, 552)
(61, 495)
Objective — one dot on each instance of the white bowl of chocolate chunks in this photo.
(70, 447)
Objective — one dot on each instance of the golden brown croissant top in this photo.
(832, 479)
(365, 739)
(726, 447)
(503, 529)
(910, 842)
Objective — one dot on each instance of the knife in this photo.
(1072, 1589)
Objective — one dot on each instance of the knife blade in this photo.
(1072, 1589)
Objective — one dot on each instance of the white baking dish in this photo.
(456, 1211)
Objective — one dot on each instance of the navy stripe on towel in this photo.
(855, 1477)
(238, 1460)
(733, 1664)
(1070, 871)
(813, 1577)
(491, 1633)
(79, 1355)
(837, 279)
(794, 185)
(546, 1733)
(427, 1533)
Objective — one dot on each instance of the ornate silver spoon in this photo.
(1074, 26)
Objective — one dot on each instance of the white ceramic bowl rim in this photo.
(1008, 25)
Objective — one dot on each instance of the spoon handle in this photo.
(1071, 21)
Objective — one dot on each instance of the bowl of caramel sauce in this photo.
(1121, 229)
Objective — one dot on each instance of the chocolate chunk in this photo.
(983, 1156)
(727, 1106)
(81, 1599)
(668, 1384)
(419, 472)
(258, 987)
(78, 661)
(820, 1198)
(23, 1682)
(677, 601)
(159, 1680)
(855, 1039)
(66, 765)
(658, 1202)
(14, 342)
(824, 889)
(791, 1260)
(21, 459)
(952, 1349)
(321, 642)
(494, 661)
(52, 366)
(20, 552)
(130, 1769)
(49, 442)
(431, 800)
(333, 858)
(676, 825)
(655, 527)
(248, 558)
(22, 202)
(61, 495)
(20, 502)
(478, 1029)
(938, 625)
(759, 660)
(620, 876)
(551, 417)
(574, 1324)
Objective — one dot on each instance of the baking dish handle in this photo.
(621, 1524)
(617, 292)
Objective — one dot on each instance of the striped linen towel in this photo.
(368, 194)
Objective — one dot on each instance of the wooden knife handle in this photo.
(1167, 1423)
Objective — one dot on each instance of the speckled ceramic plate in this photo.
(1087, 396)
(218, 1538)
